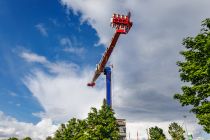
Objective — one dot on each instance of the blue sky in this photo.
(48, 53)
(19, 32)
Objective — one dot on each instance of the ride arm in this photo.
(122, 24)
(101, 65)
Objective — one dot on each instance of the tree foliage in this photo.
(27, 138)
(195, 70)
(156, 133)
(49, 138)
(13, 138)
(176, 131)
(99, 125)
(102, 124)
(73, 130)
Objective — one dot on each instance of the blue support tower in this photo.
(107, 72)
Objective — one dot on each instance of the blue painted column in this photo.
(107, 72)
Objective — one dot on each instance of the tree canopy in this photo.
(73, 130)
(195, 71)
(176, 131)
(102, 124)
(156, 133)
(27, 138)
(13, 138)
(99, 125)
(49, 138)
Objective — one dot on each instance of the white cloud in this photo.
(66, 42)
(78, 51)
(57, 67)
(32, 57)
(63, 94)
(72, 46)
(10, 127)
(13, 94)
(42, 29)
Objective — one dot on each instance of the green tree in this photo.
(195, 70)
(156, 133)
(99, 125)
(73, 130)
(102, 124)
(27, 138)
(49, 138)
(60, 133)
(176, 131)
(13, 138)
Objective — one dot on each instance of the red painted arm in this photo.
(100, 67)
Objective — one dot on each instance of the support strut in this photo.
(107, 72)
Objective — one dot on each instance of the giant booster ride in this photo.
(122, 25)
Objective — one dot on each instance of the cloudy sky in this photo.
(48, 53)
